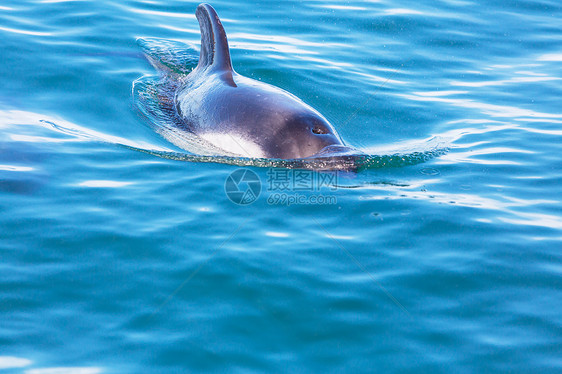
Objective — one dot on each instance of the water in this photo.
(119, 254)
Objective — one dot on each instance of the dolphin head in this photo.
(302, 135)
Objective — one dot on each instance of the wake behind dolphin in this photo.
(215, 113)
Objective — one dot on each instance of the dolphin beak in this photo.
(337, 157)
(337, 150)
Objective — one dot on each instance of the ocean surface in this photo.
(121, 253)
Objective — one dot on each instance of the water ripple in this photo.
(492, 110)
(139, 261)
(10, 362)
(508, 206)
(552, 57)
(397, 155)
(26, 32)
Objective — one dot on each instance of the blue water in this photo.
(115, 258)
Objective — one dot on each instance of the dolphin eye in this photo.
(319, 130)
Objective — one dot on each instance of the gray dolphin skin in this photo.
(243, 116)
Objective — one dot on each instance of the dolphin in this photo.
(239, 115)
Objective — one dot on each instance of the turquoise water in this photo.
(119, 254)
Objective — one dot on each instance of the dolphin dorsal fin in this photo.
(215, 54)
